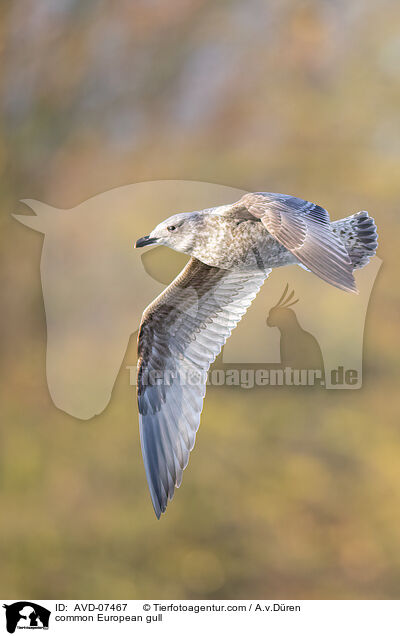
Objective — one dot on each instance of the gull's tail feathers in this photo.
(359, 236)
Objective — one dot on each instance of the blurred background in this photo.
(289, 493)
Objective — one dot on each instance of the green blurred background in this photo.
(289, 493)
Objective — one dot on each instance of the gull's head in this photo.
(179, 232)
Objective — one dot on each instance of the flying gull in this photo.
(233, 248)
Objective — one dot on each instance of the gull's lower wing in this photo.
(305, 230)
(180, 335)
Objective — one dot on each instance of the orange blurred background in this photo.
(289, 493)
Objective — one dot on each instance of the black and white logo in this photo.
(26, 615)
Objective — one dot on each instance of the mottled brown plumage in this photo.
(233, 249)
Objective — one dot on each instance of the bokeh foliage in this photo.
(290, 493)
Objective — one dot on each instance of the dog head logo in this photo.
(26, 615)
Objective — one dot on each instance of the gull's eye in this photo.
(171, 228)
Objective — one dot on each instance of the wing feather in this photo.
(180, 335)
(304, 228)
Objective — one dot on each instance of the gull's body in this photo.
(233, 249)
(222, 240)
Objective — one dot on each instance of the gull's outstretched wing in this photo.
(305, 230)
(180, 335)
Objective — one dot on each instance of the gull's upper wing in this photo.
(305, 230)
(180, 335)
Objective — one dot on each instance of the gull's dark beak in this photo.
(145, 240)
